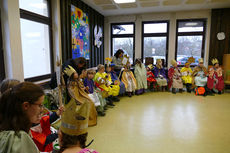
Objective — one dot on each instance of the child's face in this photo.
(102, 70)
(216, 65)
(90, 76)
(108, 69)
(83, 74)
(148, 69)
(75, 76)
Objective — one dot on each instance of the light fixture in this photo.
(191, 24)
(124, 1)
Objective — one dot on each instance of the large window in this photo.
(155, 40)
(2, 69)
(122, 37)
(190, 40)
(36, 36)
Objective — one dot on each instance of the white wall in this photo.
(171, 16)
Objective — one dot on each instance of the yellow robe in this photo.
(126, 80)
(104, 80)
(186, 75)
(77, 92)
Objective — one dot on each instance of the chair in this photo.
(227, 79)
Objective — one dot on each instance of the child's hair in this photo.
(138, 61)
(91, 71)
(8, 83)
(100, 66)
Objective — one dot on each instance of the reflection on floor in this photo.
(160, 122)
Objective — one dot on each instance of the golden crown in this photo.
(215, 61)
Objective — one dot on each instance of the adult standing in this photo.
(20, 106)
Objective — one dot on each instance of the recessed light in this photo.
(124, 1)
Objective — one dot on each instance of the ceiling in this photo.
(109, 7)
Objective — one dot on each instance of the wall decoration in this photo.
(80, 33)
(97, 36)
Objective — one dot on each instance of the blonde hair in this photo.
(100, 66)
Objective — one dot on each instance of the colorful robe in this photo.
(160, 76)
(200, 76)
(141, 77)
(77, 92)
(215, 79)
(186, 75)
(175, 80)
(129, 80)
(150, 77)
(114, 77)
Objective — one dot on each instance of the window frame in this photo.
(195, 33)
(123, 36)
(143, 35)
(24, 14)
(2, 66)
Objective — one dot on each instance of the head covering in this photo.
(190, 60)
(173, 62)
(74, 120)
(159, 60)
(112, 65)
(150, 66)
(201, 60)
(108, 61)
(215, 61)
(69, 70)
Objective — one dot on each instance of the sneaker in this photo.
(101, 113)
(115, 99)
(110, 104)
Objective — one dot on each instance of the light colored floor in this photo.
(161, 122)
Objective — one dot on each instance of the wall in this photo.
(220, 23)
(95, 18)
(172, 17)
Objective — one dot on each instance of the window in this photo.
(155, 40)
(2, 68)
(190, 40)
(36, 37)
(122, 37)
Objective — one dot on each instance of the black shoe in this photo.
(101, 113)
(115, 99)
(110, 104)
(180, 90)
(219, 92)
(105, 107)
(173, 90)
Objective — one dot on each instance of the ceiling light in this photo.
(191, 24)
(124, 1)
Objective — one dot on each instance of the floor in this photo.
(160, 122)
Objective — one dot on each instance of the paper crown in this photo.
(159, 60)
(201, 60)
(215, 61)
(108, 61)
(190, 60)
(74, 120)
(150, 66)
(69, 70)
(173, 62)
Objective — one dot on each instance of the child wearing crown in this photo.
(175, 80)
(77, 91)
(215, 77)
(186, 72)
(140, 75)
(151, 82)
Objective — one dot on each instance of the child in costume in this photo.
(141, 78)
(114, 78)
(77, 91)
(199, 74)
(160, 75)
(215, 77)
(103, 82)
(129, 80)
(175, 80)
(94, 93)
(151, 82)
(74, 123)
(114, 85)
(186, 74)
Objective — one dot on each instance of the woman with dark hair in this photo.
(8, 83)
(20, 106)
(117, 59)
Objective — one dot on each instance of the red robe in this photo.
(150, 76)
(215, 74)
(39, 138)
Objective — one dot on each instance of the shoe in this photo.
(129, 94)
(110, 104)
(101, 113)
(180, 90)
(115, 99)
(173, 90)
(106, 107)
(219, 92)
